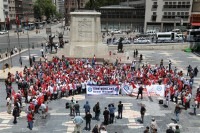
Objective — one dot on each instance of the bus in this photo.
(193, 35)
(30, 26)
(168, 37)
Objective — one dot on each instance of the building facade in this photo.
(28, 13)
(166, 15)
(195, 14)
(123, 18)
(70, 6)
(60, 6)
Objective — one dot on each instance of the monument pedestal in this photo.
(85, 34)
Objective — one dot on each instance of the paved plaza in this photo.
(59, 121)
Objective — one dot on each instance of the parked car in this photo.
(125, 41)
(3, 32)
(18, 30)
(116, 31)
(141, 41)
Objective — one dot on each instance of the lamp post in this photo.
(9, 48)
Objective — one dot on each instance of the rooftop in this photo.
(116, 7)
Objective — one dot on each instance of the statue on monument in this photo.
(120, 45)
(78, 1)
(91, 4)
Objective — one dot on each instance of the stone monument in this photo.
(85, 33)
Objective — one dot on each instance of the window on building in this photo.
(178, 13)
(154, 13)
(173, 14)
(186, 13)
(155, 5)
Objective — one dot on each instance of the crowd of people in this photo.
(69, 76)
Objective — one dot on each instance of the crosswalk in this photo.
(6, 120)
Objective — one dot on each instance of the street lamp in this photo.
(9, 49)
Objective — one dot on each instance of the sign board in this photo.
(102, 90)
(48, 31)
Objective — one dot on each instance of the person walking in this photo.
(142, 112)
(86, 107)
(96, 109)
(106, 114)
(30, 121)
(177, 130)
(88, 118)
(153, 125)
(15, 114)
(170, 130)
(78, 120)
(140, 91)
(111, 108)
(71, 106)
(177, 111)
(146, 130)
(195, 106)
(9, 104)
(77, 108)
(120, 110)
(95, 129)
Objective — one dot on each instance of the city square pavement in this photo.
(59, 121)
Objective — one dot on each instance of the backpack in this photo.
(67, 105)
(94, 108)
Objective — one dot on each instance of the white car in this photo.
(116, 31)
(141, 41)
(125, 41)
(3, 32)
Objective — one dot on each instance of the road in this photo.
(34, 39)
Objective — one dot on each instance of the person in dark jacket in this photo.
(169, 130)
(106, 114)
(140, 91)
(120, 110)
(87, 107)
(15, 114)
(96, 109)
(88, 118)
(142, 112)
(95, 129)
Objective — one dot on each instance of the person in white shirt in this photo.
(9, 104)
(43, 107)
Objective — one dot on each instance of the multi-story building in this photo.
(12, 12)
(27, 8)
(2, 16)
(195, 14)
(60, 6)
(133, 3)
(70, 6)
(125, 18)
(165, 15)
(19, 9)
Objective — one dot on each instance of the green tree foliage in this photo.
(100, 3)
(44, 7)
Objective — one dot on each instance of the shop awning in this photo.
(195, 24)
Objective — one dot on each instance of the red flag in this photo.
(7, 20)
(13, 92)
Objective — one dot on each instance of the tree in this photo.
(100, 3)
(44, 7)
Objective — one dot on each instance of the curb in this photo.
(7, 58)
(197, 54)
